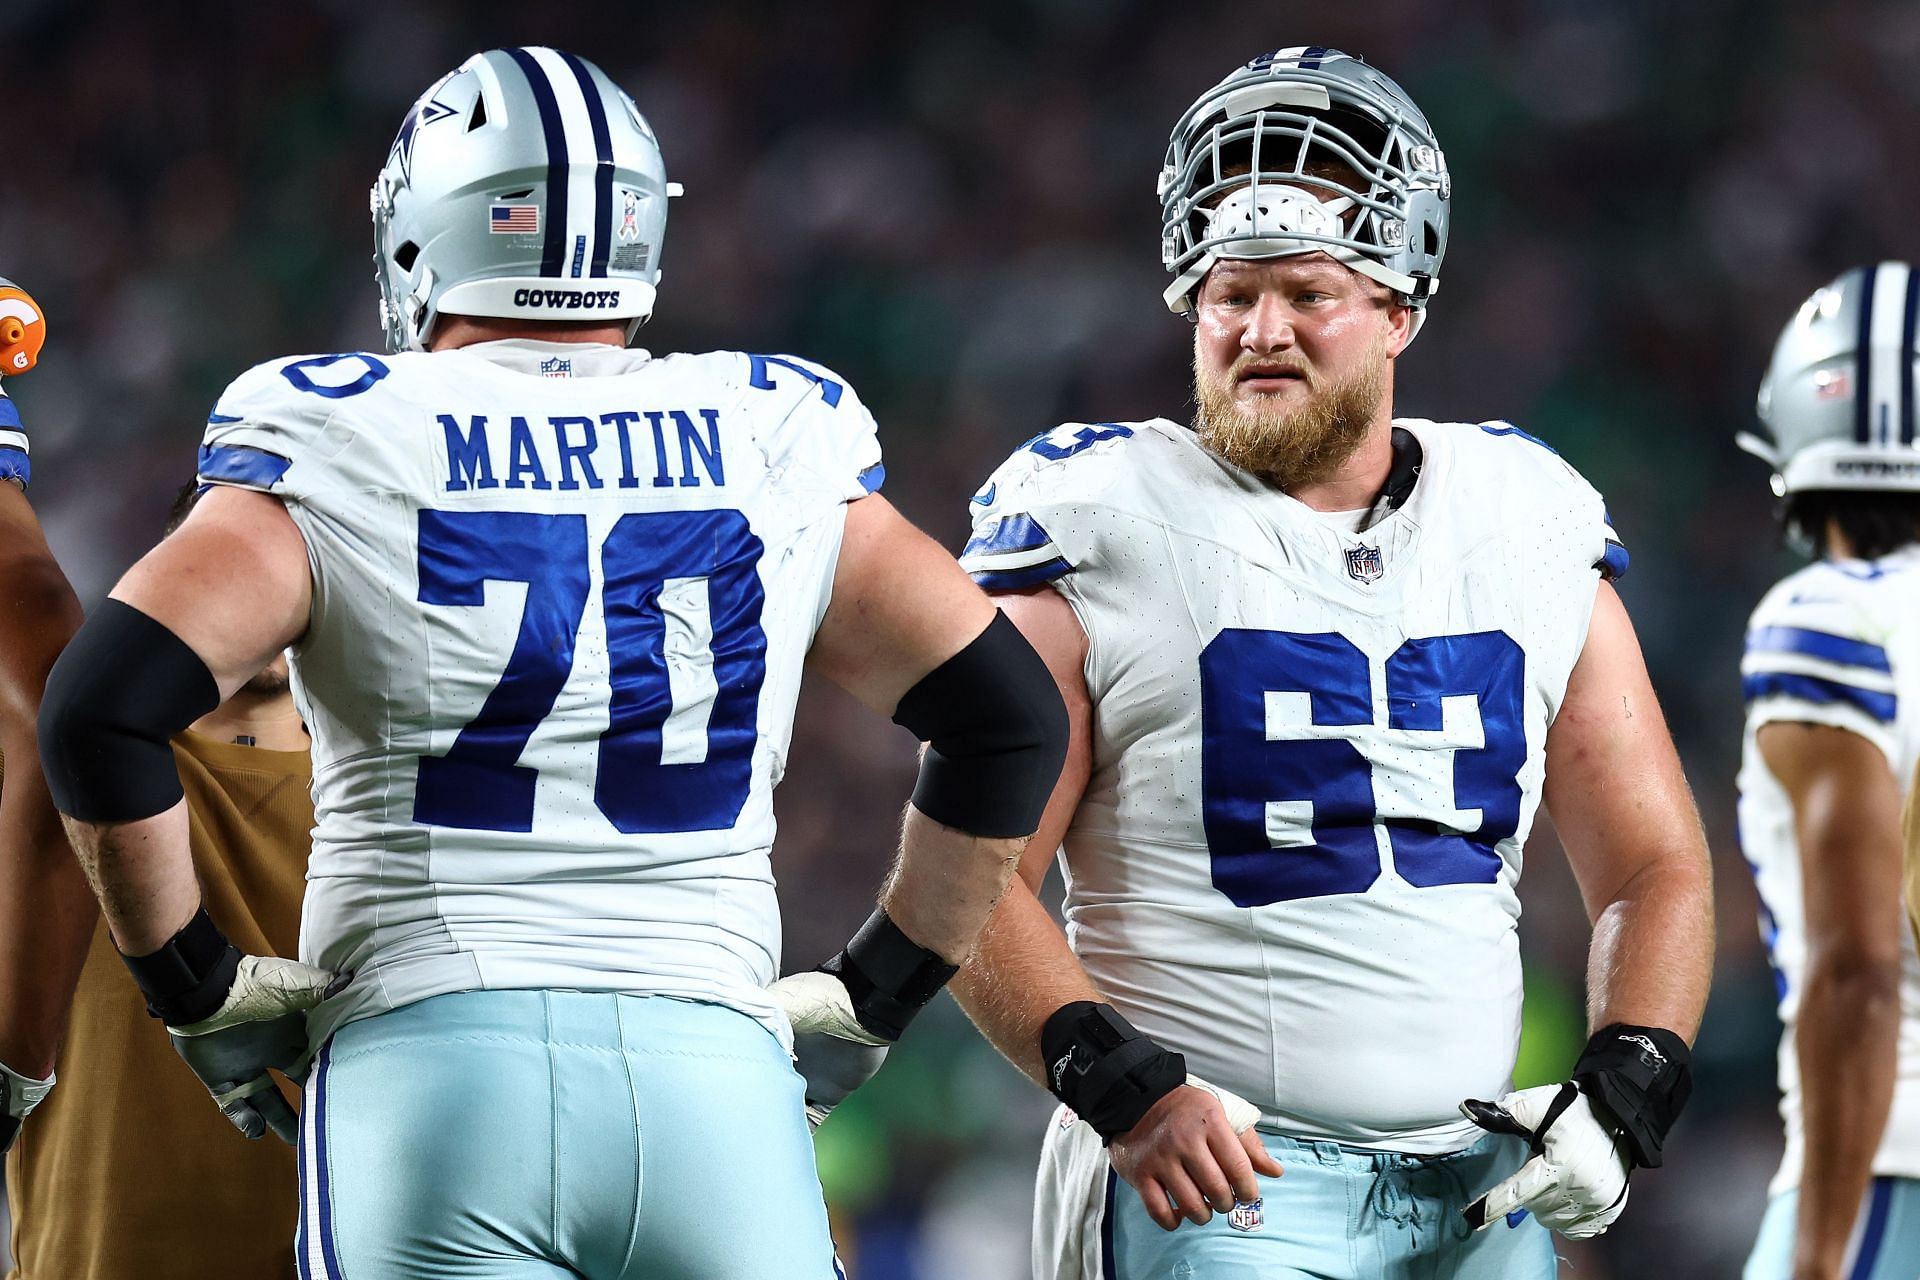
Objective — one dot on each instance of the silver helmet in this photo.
(1248, 160)
(1838, 398)
(524, 184)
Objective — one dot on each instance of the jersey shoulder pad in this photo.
(806, 414)
(271, 417)
(1818, 649)
(1514, 463)
(1075, 462)
(1502, 445)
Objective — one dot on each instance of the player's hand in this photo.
(834, 1054)
(1576, 1180)
(20, 1095)
(1194, 1152)
(261, 1026)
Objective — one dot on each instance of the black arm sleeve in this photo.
(122, 689)
(996, 732)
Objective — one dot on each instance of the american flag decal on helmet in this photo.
(514, 219)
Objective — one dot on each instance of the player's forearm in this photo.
(1021, 972)
(1651, 960)
(946, 884)
(142, 874)
(1845, 1038)
(46, 913)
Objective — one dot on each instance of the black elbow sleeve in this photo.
(123, 687)
(996, 734)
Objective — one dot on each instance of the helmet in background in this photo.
(1838, 398)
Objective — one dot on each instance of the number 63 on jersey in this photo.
(1262, 781)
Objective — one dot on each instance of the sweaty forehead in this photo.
(1296, 268)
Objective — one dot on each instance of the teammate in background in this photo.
(1830, 742)
(46, 912)
(549, 601)
(126, 1173)
(1321, 667)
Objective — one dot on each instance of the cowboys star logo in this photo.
(430, 110)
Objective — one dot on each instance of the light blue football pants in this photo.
(1886, 1236)
(1342, 1214)
(558, 1135)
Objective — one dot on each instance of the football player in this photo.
(46, 912)
(1323, 665)
(124, 1173)
(1829, 745)
(549, 600)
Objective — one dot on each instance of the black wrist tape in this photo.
(123, 687)
(1109, 1073)
(187, 979)
(889, 976)
(1640, 1078)
(996, 734)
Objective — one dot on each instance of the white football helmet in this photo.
(1239, 183)
(1838, 397)
(523, 184)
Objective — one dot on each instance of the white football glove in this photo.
(833, 1053)
(1576, 1181)
(261, 1026)
(18, 1095)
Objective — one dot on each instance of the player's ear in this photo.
(1399, 326)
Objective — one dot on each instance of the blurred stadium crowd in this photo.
(954, 208)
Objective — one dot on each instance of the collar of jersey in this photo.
(525, 355)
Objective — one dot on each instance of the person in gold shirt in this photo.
(125, 1172)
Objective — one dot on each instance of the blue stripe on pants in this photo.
(329, 1261)
(1874, 1237)
(1887, 1235)
(303, 1268)
(1106, 1229)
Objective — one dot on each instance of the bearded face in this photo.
(1296, 438)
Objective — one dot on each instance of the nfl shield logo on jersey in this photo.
(1247, 1215)
(558, 367)
(1363, 564)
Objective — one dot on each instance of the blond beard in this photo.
(1291, 448)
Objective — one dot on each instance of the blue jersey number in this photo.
(371, 370)
(478, 783)
(1058, 445)
(1243, 771)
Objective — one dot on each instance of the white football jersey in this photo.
(1837, 643)
(1316, 755)
(561, 598)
